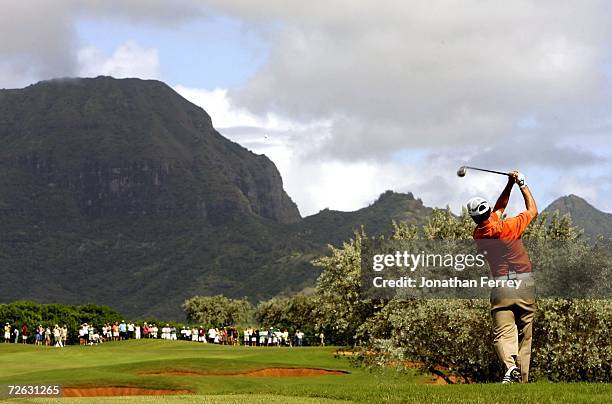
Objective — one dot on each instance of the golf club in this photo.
(462, 171)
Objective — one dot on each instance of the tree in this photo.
(217, 311)
(443, 225)
(340, 308)
(291, 313)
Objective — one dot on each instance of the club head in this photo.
(461, 171)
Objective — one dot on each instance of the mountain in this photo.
(121, 192)
(584, 215)
(125, 149)
(332, 226)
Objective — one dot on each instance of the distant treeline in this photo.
(34, 314)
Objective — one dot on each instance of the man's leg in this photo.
(525, 314)
(505, 339)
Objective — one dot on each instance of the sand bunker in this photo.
(270, 372)
(118, 391)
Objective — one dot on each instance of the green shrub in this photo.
(571, 338)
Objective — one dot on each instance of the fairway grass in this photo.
(125, 364)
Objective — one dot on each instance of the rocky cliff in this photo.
(105, 147)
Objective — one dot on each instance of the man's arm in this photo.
(530, 203)
(515, 226)
(503, 199)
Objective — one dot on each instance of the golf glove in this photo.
(520, 180)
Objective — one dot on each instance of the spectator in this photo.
(212, 335)
(247, 336)
(94, 336)
(64, 334)
(122, 330)
(82, 334)
(7, 333)
(278, 337)
(299, 337)
(165, 332)
(105, 332)
(192, 334)
(57, 336)
(115, 331)
(47, 336)
(38, 338)
(154, 331)
(24, 333)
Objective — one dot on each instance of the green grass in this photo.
(122, 365)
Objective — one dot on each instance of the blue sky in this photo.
(217, 52)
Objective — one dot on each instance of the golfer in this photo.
(512, 310)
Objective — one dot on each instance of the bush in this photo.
(571, 338)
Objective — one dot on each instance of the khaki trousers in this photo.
(512, 313)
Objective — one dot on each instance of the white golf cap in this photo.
(477, 206)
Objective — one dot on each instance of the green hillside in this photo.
(120, 192)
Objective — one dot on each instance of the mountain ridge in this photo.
(593, 221)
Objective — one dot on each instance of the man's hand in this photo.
(517, 177)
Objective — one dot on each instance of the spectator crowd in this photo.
(58, 336)
(47, 336)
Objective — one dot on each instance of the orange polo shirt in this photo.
(501, 239)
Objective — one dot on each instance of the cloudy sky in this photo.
(351, 101)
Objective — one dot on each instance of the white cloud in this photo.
(318, 183)
(425, 73)
(39, 39)
(36, 41)
(128, 60)
(456, 79)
